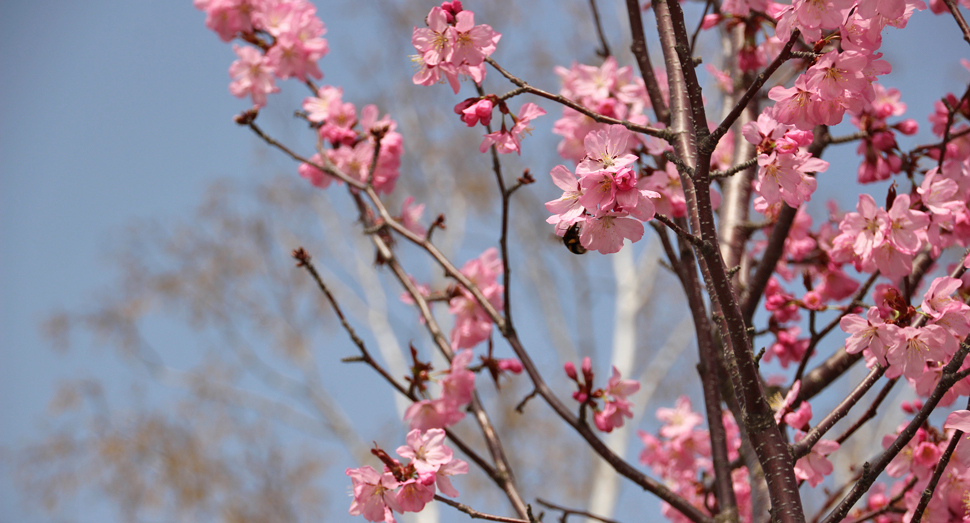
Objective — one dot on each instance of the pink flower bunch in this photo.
(472, 324)
(405, 488)
(452, 45)
(875, 238)
(918, 353)
(878, 148)
(784, 164)
(614, 396)
(681, 458)
(958, 148)
(944, 193)
(352, 141)
(608, 90)
(287, 38)
(457, 386)
(607, 200)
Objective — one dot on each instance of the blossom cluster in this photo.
(353, 140)
(608, 90)
(785, 167)
(616, 406)
(452, 45)
(681, 457)
(607, 200)
(406, 487)
(286, 37)
(918, 351)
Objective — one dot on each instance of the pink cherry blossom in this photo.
(616, 406)
(415, 493)
(426, 450)
(410, 216)
(470, 43)
(679, 420)
(374, 496)
(607, 232)
(444, 473)
(815, 466)
(958, 420)
(252, 75)
(433, 42)
(314, 175)
(606, 151)
(432, 414)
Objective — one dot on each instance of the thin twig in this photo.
(736, 169)
(566, 512)
(643, 129)
(476, 514)
(924, 499)
(870, 413)
(605, 50)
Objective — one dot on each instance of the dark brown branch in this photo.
(870, 413)
(889, 505)
(818, 336)
(693, 240)
(304, 260)
(736, 169)
(504, 235)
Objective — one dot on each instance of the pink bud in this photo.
(883, 141)
(907, 126)
(588, 371)
(710, 21)
(626, 179)
(812, 300)
(570, 370)
(514, 366)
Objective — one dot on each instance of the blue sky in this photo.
(114, 111)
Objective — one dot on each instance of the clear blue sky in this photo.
(117, 110)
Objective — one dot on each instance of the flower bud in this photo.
(570, 370)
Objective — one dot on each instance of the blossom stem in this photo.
(804, 446)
